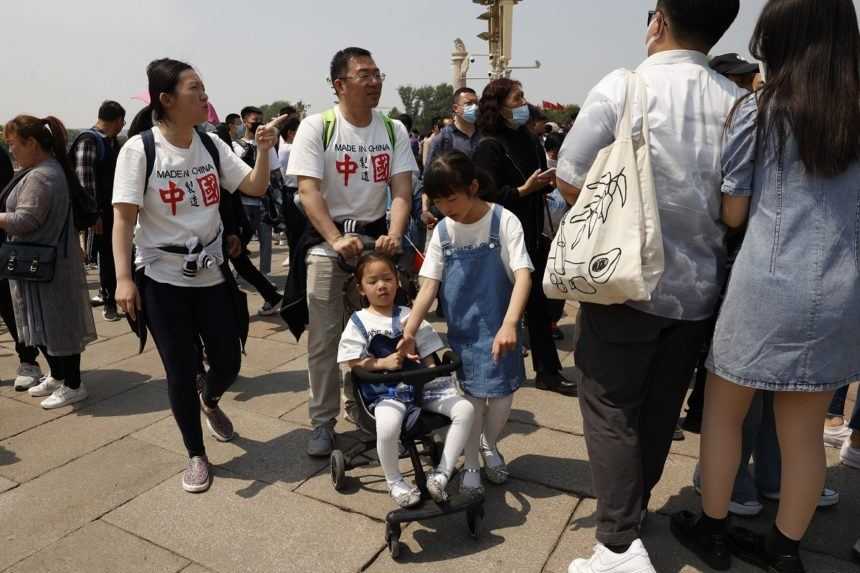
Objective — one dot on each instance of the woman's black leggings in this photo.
(66, 369)
(179, 317)
(26, 354)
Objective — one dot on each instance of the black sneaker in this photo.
(711, 548)
(110, 313)
(555, 382)
(692, 423)
(752, 547)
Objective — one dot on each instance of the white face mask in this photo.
(649, 40)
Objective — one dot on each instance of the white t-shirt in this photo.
(353, 344)
(355, 169)
(284, 159)
(181, 200)
(514, 255)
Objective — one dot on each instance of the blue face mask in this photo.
(470, 113)
(520, 115)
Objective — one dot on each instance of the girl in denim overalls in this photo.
(477, 257)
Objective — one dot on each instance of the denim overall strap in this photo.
(444, 238)
(476, 292)
(359, 325)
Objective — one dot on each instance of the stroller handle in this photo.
(418, 378)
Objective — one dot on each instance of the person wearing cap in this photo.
(744, 73)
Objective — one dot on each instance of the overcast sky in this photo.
(92, 50)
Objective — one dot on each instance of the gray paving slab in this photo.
(547, 409)
(552, 458)
(666, 554)
(196, 568)
(266, 355)
(522, 524)
(69, 497)
(276, 530)
(55, 443)
(110, 351)
(17, 416)
(270, 393)
(6, 484)
(265, 449)
(101, 548)
(265, 326)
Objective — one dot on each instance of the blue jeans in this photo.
(759, 441)
(264, 232)
(837, 408)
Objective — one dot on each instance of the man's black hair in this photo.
(553, 142)
(340, 62)
(699, 22)
(248, 110)
(111, 111)
(231, 117)
(406, 120)
(292, 124)
(287, 109)
(464, 90)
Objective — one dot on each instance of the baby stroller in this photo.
(417, 440)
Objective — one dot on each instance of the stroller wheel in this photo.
(474, 519)
(392, 538)
(337, 463)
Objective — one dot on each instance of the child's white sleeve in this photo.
(427, 341)
(514, 243)
(434, 264)
(352, 344)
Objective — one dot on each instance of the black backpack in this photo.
(85, 207)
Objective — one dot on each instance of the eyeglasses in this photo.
(365, 77)
(651, 14)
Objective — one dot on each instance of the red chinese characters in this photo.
(209, 186)
(381, 168)
(172, 195)
(346, 167)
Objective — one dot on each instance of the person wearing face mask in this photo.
(515, 159)
(461, 135)
(637, 358)
(235, 127)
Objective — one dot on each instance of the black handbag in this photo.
(25, 261)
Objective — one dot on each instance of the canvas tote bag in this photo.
(608, 248)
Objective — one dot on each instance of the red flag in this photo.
(559, 106)
(548, 105)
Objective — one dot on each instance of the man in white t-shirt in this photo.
(246, 148)
(344, 161)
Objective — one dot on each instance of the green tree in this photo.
(426, 102)
(3, 140)
(562, 116)
(270, 111)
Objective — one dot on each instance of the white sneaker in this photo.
(27, 376)
(634, 560)
(850, 456)
(835, 437)
(44, 388)
(286, 262)
(829, 497)
(63, 396)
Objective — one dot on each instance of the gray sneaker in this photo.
(196, 478)
(218, 423)
(321, 442)
(27, 376)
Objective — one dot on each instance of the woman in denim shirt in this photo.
(791, 315)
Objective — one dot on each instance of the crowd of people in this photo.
(756, 186)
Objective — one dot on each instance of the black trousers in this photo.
(246, 269)
(178, 318)
(26, 354)
(637, 370)
(539, 320)
(66, 369)
(104, 248)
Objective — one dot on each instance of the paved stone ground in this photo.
(96, 487)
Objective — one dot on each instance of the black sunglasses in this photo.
(651, 14)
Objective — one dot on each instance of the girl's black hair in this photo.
(452, 172)
(811, 50)
(373, 257)
(163, 77)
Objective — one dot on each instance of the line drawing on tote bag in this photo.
(603, 265)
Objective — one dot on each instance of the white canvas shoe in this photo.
(63, 396)
(44, 388)
(634, 560)
(27, 376)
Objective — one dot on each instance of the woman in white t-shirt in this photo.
(173, 198)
